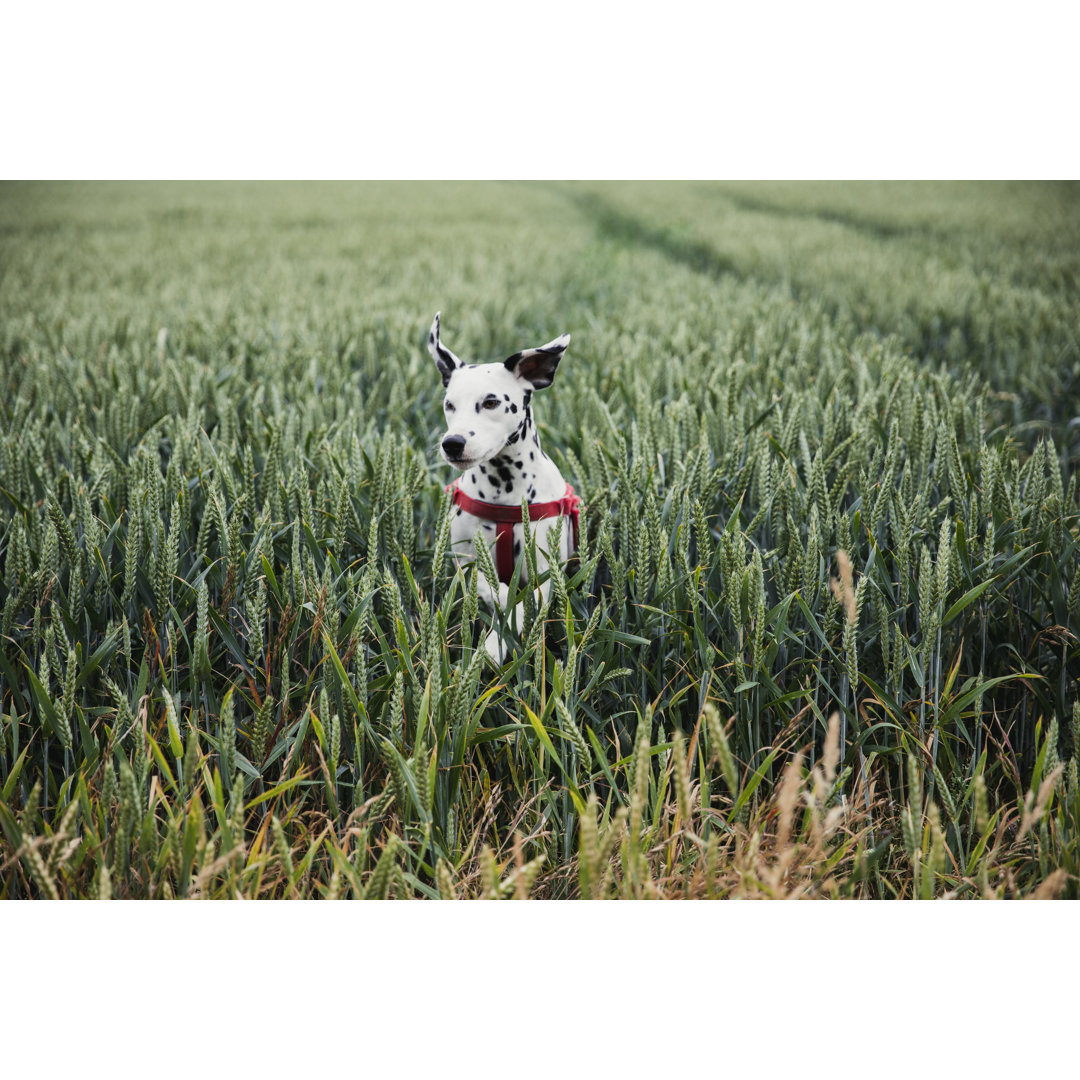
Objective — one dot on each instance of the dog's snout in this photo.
(453, 445)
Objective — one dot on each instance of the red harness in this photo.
(506, 517)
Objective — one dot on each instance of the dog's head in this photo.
(487, 405)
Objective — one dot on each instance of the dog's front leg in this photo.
(501, 600)
(494, 643)
(515, 618)
(463, 541)
(494, 600)
(488, 595)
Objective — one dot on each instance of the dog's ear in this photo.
(537, 366)
(446, 361)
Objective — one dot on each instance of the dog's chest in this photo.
(516, 474)
(505, 480)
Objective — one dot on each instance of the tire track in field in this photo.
(616, 224)
(874, 229)
(928, 336)
(701, 256)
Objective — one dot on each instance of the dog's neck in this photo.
(521, 470)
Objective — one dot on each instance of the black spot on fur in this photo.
(513, 438)
(482, 469)
(532, 457)
(481, 495)
(459, 512)
(472, 477)
(513, 408)
(517, 464)
(506, 397)
(472, 432)
(509, 487)
(478, 406)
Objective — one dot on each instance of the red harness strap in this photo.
(506, 517)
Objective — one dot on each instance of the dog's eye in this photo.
(491, 403)
(447, 406)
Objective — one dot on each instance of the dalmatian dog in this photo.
(491, 438)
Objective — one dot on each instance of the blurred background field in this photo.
(234, 660)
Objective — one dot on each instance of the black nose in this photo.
(453, 445)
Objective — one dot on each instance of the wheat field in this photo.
(820, 638)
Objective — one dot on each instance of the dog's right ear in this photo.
(444, 359)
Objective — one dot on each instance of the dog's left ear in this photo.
(444, 359)
(537, 366)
